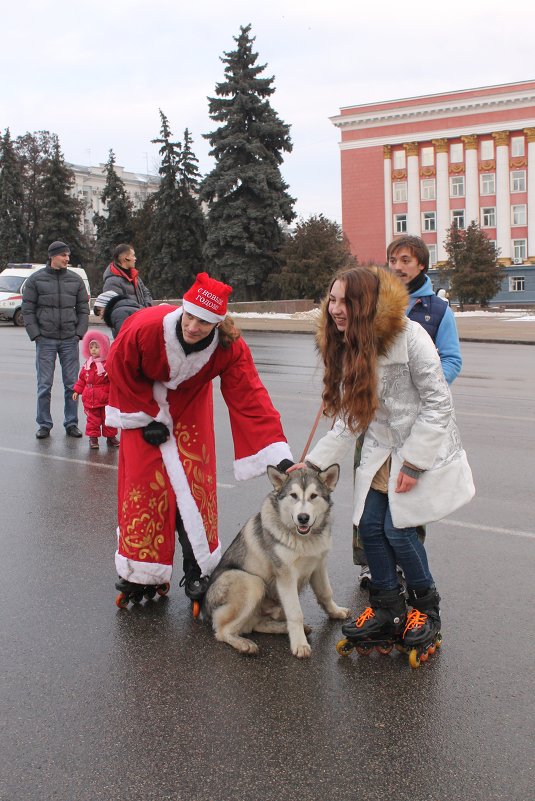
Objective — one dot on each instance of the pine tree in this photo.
(13, 239)
(33, 150)
(472, 267)
(60, 212)
(310, 256)
(115, 226)
(245, 191)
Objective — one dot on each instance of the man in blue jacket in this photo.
(408, 257)
(55, 307)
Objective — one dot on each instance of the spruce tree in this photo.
(61, 213)
(33, 150)
(115, 226)
(13, 238)
(191, 218)
(247, 197)
(472, 267)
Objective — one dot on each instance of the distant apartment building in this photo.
(90, 183)
(420, 164)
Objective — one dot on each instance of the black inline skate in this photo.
(422, 634)
(195, 585)
(379, 627)
(129, 591)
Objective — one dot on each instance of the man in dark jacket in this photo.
(55, 307)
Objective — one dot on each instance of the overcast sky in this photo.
(97, 72)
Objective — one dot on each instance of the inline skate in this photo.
(195, 586)
(422, 636)
(379, 627)
(129, 591)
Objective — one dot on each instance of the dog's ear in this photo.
(276, 477)
(330, 476)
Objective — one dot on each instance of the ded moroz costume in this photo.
(159, 378)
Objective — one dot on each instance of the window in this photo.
(427, 156)
(399, 159)
(399, 191)
(427, 189)
(457, 217)
(457, 186)
(518, 181)
(518, 215)
(487, 149)
(517, 146)
(517, 283)
(519, 249)
(488, 183)
(429, 220)
(488, 217)
(456, 153)
(400, 223)
(432, 254)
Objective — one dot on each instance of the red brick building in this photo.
(419, 164)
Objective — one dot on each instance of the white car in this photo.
(12, 282)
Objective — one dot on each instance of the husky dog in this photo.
(285, 546)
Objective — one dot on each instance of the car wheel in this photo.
(18, 319)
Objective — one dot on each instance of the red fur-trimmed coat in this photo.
(153, 379)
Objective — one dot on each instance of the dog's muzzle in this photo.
(303, 525)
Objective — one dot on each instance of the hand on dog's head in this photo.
(328, 477)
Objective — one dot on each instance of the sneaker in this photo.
(73, 431)
(365, 578)
(113, 442)
(93, 442)
(42, 432)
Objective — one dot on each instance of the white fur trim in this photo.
(203, 314)
(182, 367)
(256, 465)
(117, 419)
(142, 572)
(189, 511)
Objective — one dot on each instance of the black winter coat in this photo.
(55, 304)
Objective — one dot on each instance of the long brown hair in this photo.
(228, 333)
(350, 357)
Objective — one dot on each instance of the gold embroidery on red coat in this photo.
(144, 512)
(196, 462)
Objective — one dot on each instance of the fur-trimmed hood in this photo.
(96, 336)
(390, 318)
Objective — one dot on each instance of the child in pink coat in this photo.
(94, 386)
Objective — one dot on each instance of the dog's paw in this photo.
(247, 647)
(302, 651)
(340, 613)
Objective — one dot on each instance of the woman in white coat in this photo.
(383, 377)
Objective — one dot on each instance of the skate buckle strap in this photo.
(366, 615)
(415, 620)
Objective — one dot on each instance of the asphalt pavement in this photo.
(102, 704)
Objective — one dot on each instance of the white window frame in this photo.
(456, 153)
(487, 149)
(490, 213)
(428, 189)
(399, 161)
(518, 180)
(519, 214)
(432, 254)
(427, 156)
(517, 146)
(519, 248)
(457, 186)
(457, 214)
(429, 221)
(482, 188)
(400, 223)
(517, 283)
(399, 192)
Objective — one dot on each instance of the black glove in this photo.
(155, 433)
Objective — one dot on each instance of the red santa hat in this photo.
(207, 299)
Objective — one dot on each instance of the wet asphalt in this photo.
(102, 704)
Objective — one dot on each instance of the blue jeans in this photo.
(45, 362)
(386, 546)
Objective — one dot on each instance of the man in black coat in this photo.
(55, 307)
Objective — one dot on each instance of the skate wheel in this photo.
(195, 609)
(121, 601)
(163, 589)
(384, 649)
(424, 656)
(364, 650)
(432, 648)
(438, 641)
(414, 659)
(150, 592)
(344, 647)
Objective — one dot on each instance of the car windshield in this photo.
(11, 283)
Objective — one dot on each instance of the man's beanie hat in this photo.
(58, 247)
(207, 299)
(103, 299)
